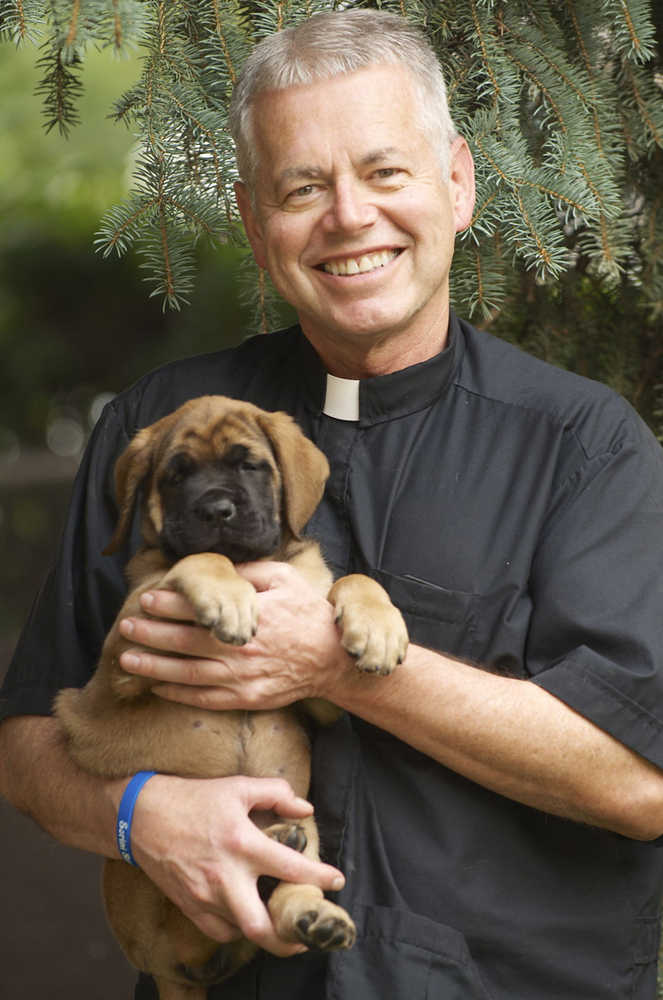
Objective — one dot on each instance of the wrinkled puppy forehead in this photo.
(214, 427)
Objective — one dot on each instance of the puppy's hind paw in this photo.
(326, 928)
(291, 834)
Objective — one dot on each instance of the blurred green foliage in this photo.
(44, 179)
(72, 324)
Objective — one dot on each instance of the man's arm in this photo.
(193, 838)
(515, 738)
(504, 733)
(39, 778)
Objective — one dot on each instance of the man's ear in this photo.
(251, 224)
(461, 183)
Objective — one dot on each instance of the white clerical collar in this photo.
(342, 398)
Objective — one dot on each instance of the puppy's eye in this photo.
(237, 456)
(179, 467)
(255, 465)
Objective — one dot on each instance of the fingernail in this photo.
(147, 600)
(130, 661)
(126, 626)
(338, 883)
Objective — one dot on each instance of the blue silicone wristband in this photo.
(126, 812)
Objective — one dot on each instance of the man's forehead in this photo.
(387, 89)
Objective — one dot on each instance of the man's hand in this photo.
(295, 654)
(196, 841)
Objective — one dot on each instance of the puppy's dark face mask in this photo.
(218, 475)
(226, 504)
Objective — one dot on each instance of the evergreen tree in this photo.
(560, 100)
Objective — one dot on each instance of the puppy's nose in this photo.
(215, 507)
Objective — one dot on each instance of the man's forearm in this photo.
(39, 778)
(513, 737)
(504, 733)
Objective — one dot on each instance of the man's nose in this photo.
(352, 207)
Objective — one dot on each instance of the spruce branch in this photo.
(60, 88)
(480, 278)
(634, 35)
(645, 99)
(482, 34)
(220, 31)
(22, 21)
(72, 27)
(527, 41)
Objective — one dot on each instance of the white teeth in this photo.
(360, 265)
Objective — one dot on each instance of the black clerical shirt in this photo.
(514, 512)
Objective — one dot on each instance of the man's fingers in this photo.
(288, 865)
(250, 919)
(276, 859)
(196, 672)
(267, 574)
(274, 794)
(167, 604)
(176, 637)
(216, 927)
(256, 925)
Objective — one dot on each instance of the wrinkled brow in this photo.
(312, 173)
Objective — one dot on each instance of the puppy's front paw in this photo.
(372, 629)
(230, 610)
(376, 639)
(223, 601)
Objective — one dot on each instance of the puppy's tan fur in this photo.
(116, 726)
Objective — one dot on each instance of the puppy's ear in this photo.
(131, 469)
(304, 469)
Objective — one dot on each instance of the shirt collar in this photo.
(383, 397)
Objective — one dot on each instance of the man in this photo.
(494, 804)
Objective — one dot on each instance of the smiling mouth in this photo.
(361, 264)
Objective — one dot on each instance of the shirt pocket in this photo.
(437, 618)
(404, 955)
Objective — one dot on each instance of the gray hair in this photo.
(330, 44)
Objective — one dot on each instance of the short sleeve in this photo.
(596, 632)
(61, 641)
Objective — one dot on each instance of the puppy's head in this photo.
(219, 475)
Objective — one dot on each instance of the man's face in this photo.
(351, 216)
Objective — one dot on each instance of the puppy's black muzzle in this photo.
(229, 511)
(213, 506)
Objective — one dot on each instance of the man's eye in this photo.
(384, 173)
(303, 192)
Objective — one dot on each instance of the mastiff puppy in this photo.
(221, 482)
